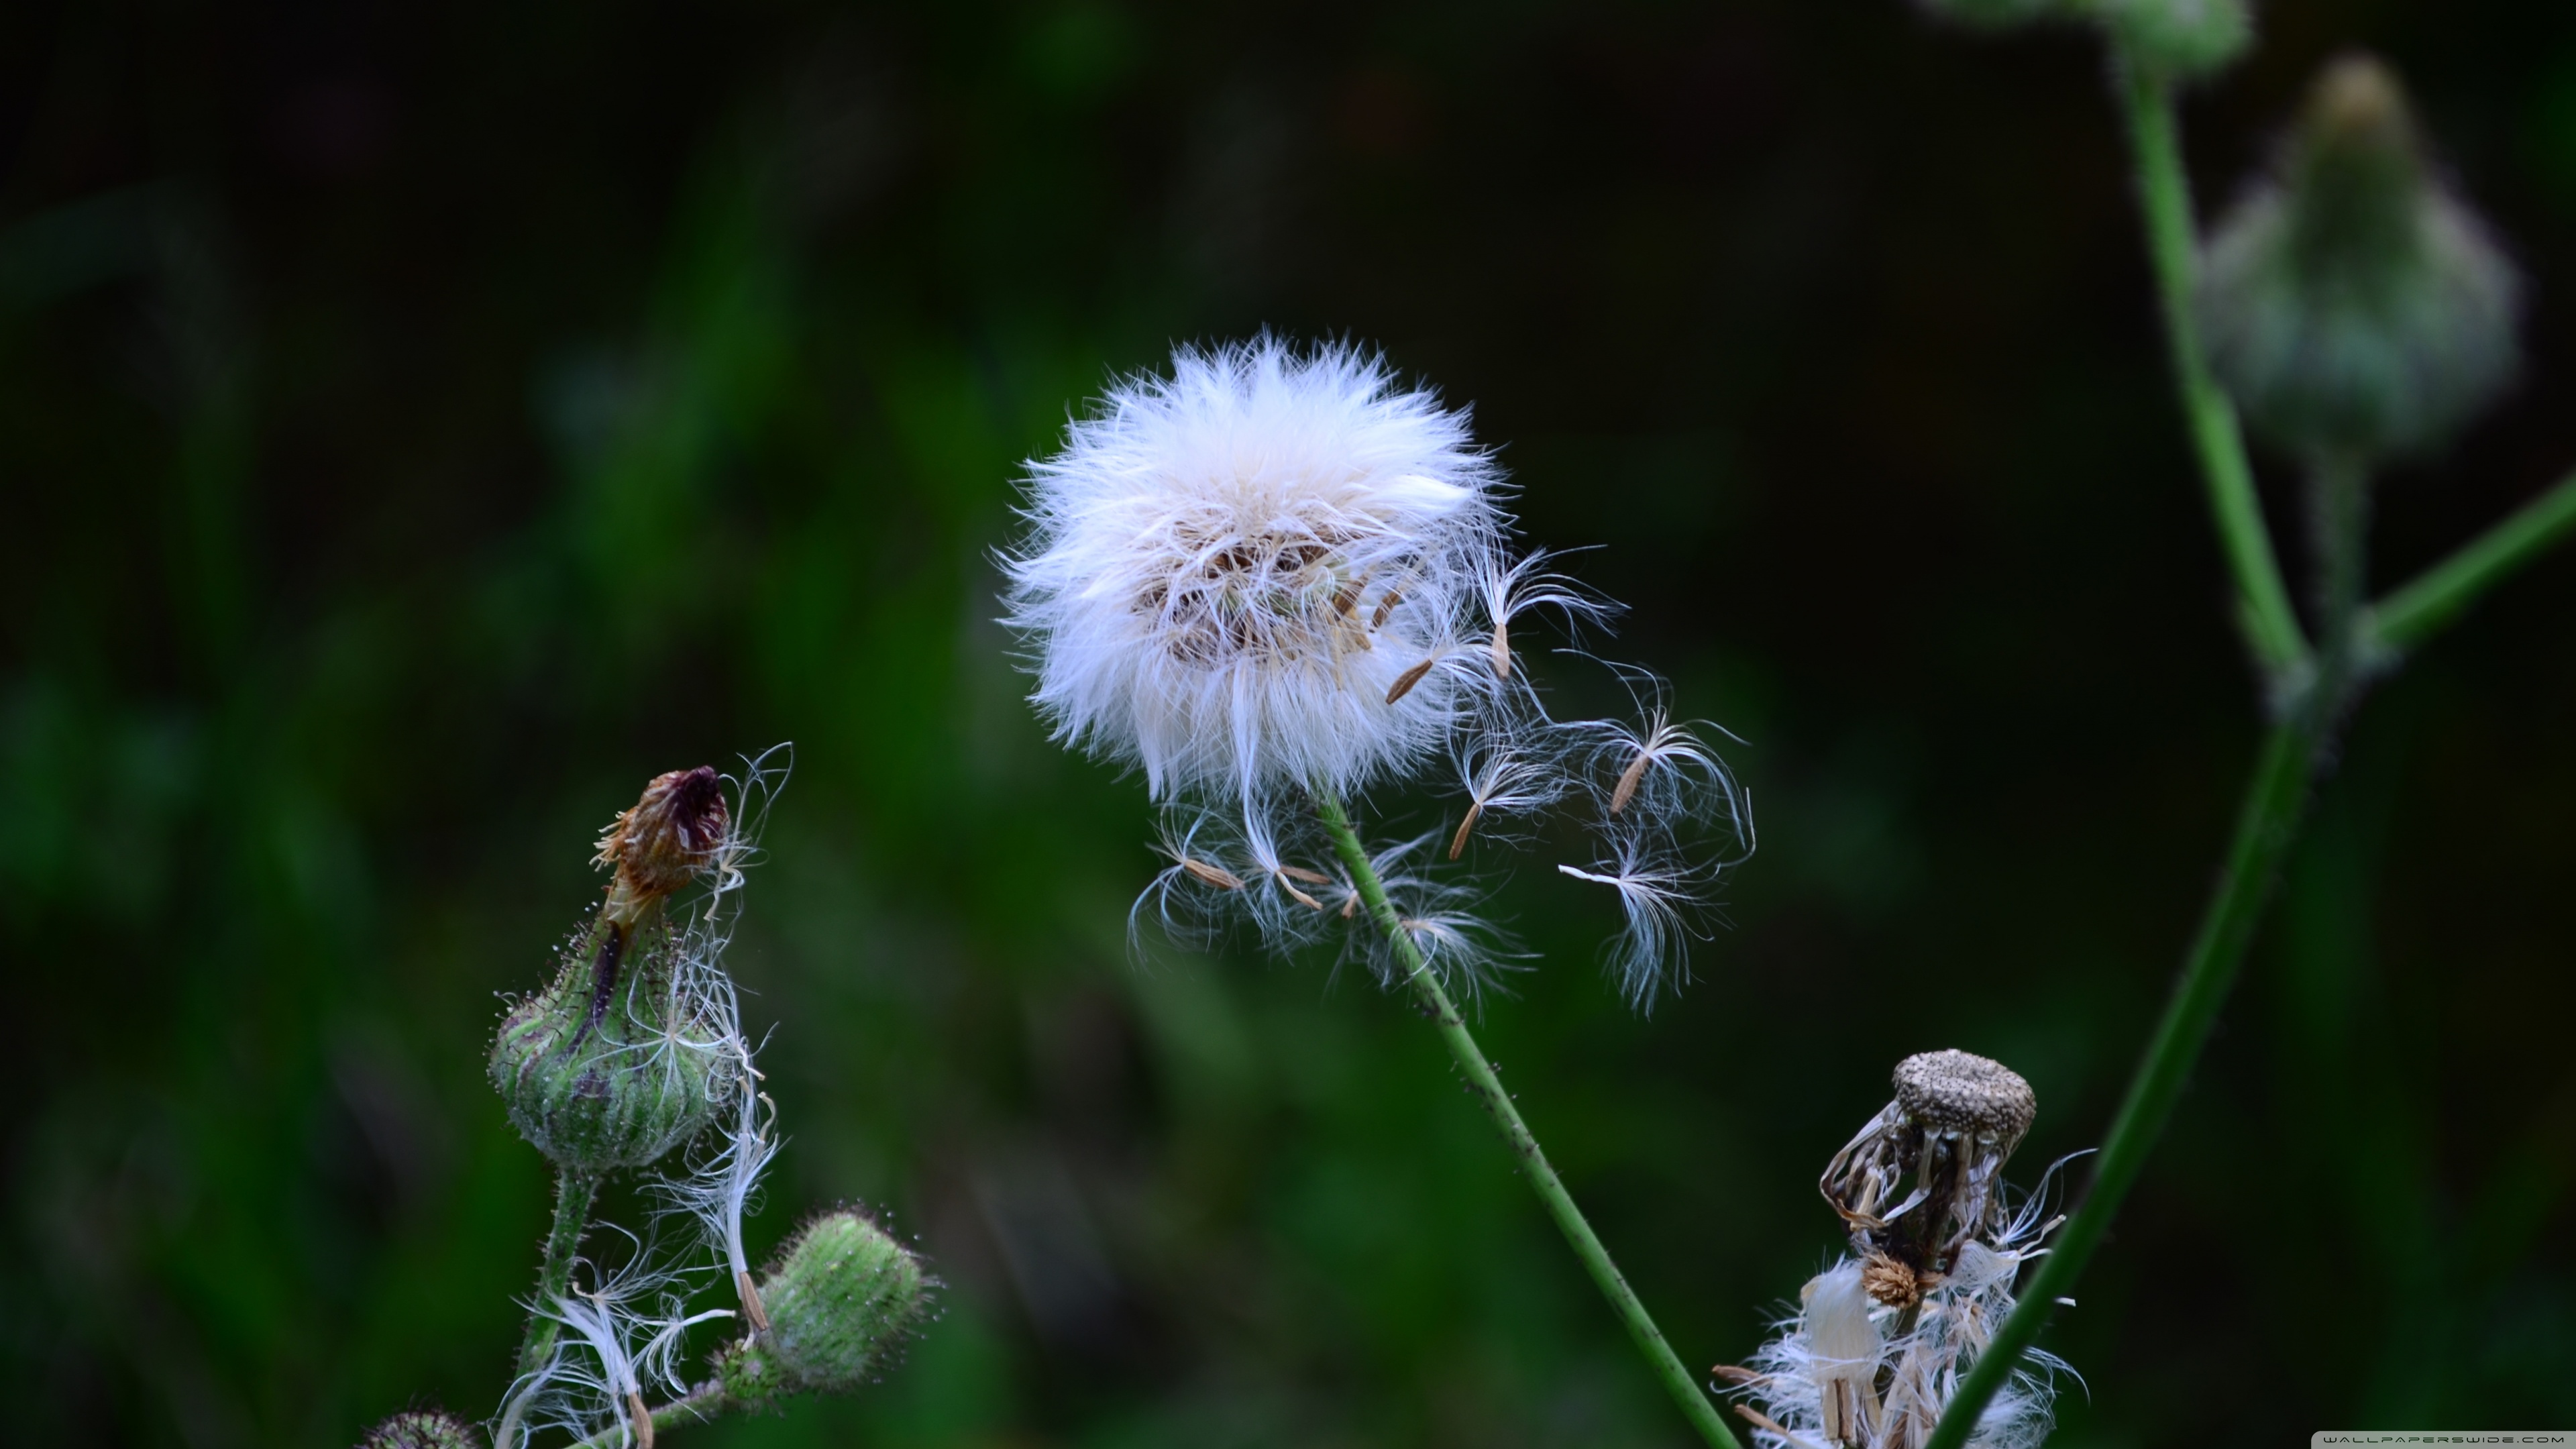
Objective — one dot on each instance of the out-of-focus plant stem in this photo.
(1488, 1089)
(573, 1194)
(2410, 615)
(2164, 197)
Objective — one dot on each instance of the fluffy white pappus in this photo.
(1259, 573)
(1659, 768)
(1659, 898)
(723, 1186)
(1438, 918)
(1229, 869)
(1839, 1374)
(1506, 769)
(1508, 588)
(620, 1340)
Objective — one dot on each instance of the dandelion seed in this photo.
(1215, 875)
(1386, 606)
(1657, 898)
(1502, 775)
(1404, 682)
(1628, 779)
(1467, 822)
(1508, 590)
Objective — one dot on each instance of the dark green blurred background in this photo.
(421, 423)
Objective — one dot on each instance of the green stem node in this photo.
(1542, 1178)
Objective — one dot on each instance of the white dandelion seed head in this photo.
(1236, 574)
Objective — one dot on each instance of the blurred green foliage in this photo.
(420, 425)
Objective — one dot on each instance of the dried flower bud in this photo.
(2353, 304)
(665, 840)
(1884, 1337)
(1956, 1118)
(1956, 1094)
(622, 1058)
(2179, 38)
(423, 1429)
(843, 1294)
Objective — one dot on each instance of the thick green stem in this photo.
(1488, 1089)
(2267, 822)
(2164, 195)
(574, 1192)
(2408, 616)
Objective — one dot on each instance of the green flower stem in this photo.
(574, 1192)
(1488, 1089)
(2413, 613)
(2271, 625)
(2275, 805)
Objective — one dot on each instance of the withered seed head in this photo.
(1972, 1096)
(665, 840)
(1895, 1282)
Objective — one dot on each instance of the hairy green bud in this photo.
(841, 1297)
(2179, 38)
(618, 1060)
(2352, 304)
(423, 1429)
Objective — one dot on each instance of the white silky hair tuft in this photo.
(1236, 574)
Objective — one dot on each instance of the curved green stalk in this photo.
(2164, 196)
(2414, 612)
(1488, 1089)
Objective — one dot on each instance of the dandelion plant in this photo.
(1278, 582)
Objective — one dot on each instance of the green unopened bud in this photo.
(2179, 38)
(2353, 305)
(841, 1298)
(616, 1061)
(625, 1054)
(422, 1429)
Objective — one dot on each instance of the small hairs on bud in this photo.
(600, 1079)
(423, 1429)
(2352, 303)
(842, 1296)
